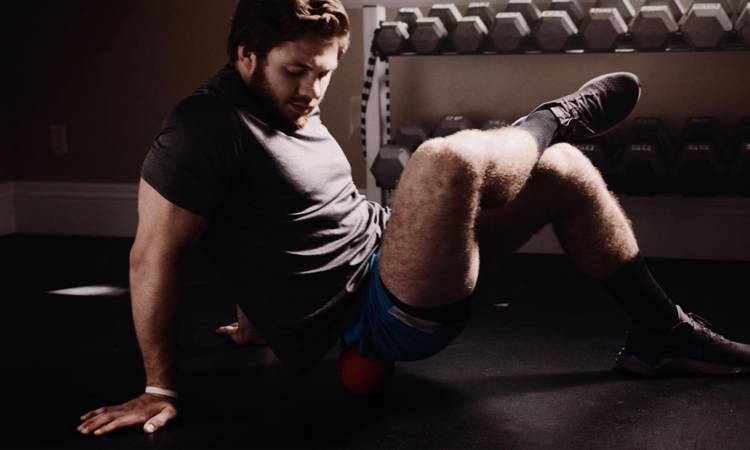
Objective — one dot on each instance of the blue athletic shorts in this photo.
(384, 332)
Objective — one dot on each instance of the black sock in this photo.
(641, 296)
(543, 125)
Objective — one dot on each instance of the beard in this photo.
(271, 103)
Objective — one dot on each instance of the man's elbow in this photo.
(148, 258)
(138, 261)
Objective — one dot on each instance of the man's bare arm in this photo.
(164, 231)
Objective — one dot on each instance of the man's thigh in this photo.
(386, 330)
(431, 248)
(429, 253)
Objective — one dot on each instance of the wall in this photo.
(340, 110)
(5, 169)
(111, 71)
(7, 210)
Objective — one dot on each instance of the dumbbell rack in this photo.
(667, 225)
(676, 43)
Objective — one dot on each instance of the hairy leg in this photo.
(487, 187)
(430, 252)
(566, 190)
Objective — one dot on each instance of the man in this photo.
(245, 166)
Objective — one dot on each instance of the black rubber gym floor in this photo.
(533, 370)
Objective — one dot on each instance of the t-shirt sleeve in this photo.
(191, 160)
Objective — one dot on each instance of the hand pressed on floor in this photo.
(150, 410)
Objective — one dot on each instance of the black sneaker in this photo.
(596, 107)
(690, 347)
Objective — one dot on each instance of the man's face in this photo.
(292, 79)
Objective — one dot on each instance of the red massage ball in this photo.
(363, 376)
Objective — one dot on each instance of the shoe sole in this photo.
(677, 366)
(592, 81)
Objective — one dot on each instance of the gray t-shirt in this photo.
(289, 230)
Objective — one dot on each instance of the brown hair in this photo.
(260, 25)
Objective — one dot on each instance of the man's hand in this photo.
(151, 410)
(241, 332)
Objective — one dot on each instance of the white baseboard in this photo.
(87, 209)
(7, 209)
(666, 226)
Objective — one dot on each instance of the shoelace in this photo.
(581, 106)
(703, 326)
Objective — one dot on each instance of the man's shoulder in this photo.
(201, 108)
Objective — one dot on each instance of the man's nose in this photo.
(310, 88)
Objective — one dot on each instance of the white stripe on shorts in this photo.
(422, 325)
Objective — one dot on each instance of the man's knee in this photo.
(565, 163)
(457, 155)
(473, 152)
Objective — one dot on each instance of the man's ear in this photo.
(246, 59)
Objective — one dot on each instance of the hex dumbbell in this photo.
(706, 25)
(409, 16)
(697, 168)
(572, 7)
(391, 37)
(388, 165)
(527, 8)
(471, 31)
(493, 124)
(603, 29)
(641, 167)
(392, 158)
(655, 22)
(509, 32)
(676, 7)
(596, 153)
(469, 34)
(452, 124)
(742, 25)
(553, 30)
(483, 10)
(448, 13)
(729, 6)
(411, 135)
(624, 7)
(431, 33)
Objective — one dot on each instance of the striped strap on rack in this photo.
(366, 96)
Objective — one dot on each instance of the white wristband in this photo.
(154, 390)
